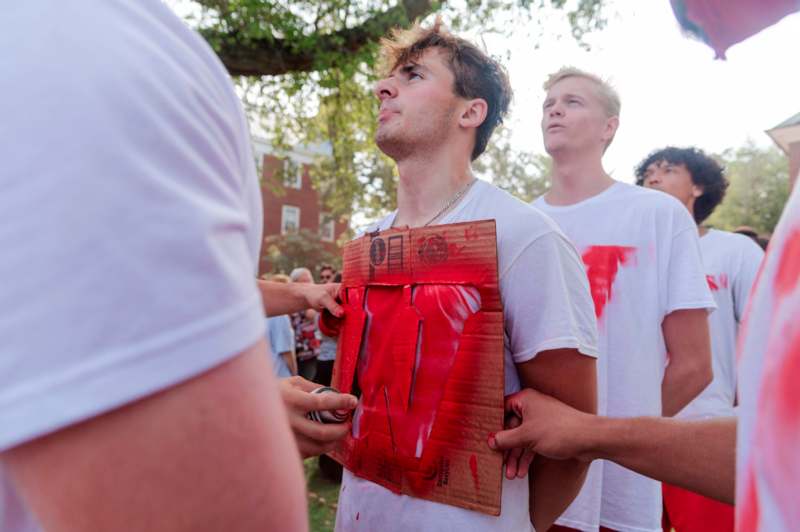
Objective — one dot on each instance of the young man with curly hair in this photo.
(731, 263)
(441, 98)
(641, 254)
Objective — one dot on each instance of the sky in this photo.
(672, 89)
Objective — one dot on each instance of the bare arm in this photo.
(282, 298)
(689, 347)
(290, 360)
(698, 455)
(572, 378)
(212, 453)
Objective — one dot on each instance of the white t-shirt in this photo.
(546, 306)
(768, 460)
(641, 252)
(130, 215)
(731, 263)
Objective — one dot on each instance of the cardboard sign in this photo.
(422, 337)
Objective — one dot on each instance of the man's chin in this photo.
(391, 146)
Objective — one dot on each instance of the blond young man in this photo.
(641, 254)
(440, 99)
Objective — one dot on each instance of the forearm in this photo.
(689, 371)
(291, 361)
(682, 383)
(696, 455)
(281, 298)
(554, 485)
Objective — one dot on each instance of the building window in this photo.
(290, 219)
(326, 228)
(292, 174)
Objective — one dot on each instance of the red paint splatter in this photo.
(358, 516)
(788, 273)
(723, 280)
(774, 454)
(473, 467)
(712, 283)
(401, 391)
(602, 263)
(747, 511)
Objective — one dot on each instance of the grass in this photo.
(322, 497)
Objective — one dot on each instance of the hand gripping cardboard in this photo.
(422, 338)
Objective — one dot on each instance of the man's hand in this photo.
(314, 438)
(519, 459)
(320, 296)
(281, 298)
(549, 427)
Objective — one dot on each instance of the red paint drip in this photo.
(602, 264)
(712, 283)
(788, 273)
(473, 467)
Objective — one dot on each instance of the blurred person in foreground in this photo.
(136, 391)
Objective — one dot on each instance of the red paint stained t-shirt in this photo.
(641, 254)
(768, 461)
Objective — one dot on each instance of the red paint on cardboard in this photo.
(403, 382)
(473, 468)
(422, 337)
(602, 264)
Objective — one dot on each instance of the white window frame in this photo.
(292, 179)
(288, 212)
(327, 227)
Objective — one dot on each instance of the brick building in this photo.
(298, 206)
(787, 136)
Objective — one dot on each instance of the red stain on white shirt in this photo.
(602, 264)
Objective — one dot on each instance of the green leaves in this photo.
(758, 191)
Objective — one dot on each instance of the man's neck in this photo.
(427, 185)
(574, 180)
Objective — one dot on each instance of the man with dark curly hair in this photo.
(731, 263)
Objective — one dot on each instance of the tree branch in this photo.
(272, 57)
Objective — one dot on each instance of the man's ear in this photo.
(473, 113)
(697, 191)
(612, 124)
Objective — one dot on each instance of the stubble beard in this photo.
(403, 143)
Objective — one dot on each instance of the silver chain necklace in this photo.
(449, 204)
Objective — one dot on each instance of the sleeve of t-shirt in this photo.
(129, 234)
(750, 262)
(686, 287)
(546, 300)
